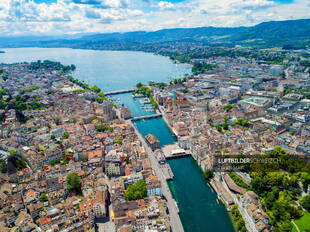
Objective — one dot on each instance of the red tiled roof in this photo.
(45, 220)
(95, 154)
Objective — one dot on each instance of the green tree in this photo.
(148, 92)
(218, 127)
(65, 135)
(3, 166)
(53, 162)
(258, 185)
(208, 173)
(284, 226)
(101, 94)
(73, 182)
(228, 107)
(57, 120)
(136, 191)
(139, 85)
(241, 122)
(101, 128)
(305, 180)
(225, 126)
(99, 100)
(20, 164)
(96, 89)
(305, 202)
(43, 197)
(13, 152)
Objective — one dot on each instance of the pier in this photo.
(173, 151)
(167, 172)
(146, 117)
(119, 91)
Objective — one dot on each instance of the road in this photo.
(296, 226)
(108, 226)
(175, 220)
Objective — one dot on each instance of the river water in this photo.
(114, 70)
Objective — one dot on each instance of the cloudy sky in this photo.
(56, 17)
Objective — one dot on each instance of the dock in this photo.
(173, 151)
(167, 172)
(146, 117)
(119, 91)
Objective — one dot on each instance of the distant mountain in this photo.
(290, 34)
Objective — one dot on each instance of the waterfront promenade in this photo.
(174, 218)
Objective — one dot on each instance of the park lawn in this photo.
(303, 223)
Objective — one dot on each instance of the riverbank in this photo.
(175, 220)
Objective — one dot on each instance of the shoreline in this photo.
(110, 50)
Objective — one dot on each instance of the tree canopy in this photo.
(73, 182)
(43, 197)
(101, 128)
(208, 173)
(305, 202)
(65, 135)
(136, 191)
(3, 166)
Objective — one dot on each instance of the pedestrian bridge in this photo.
(146, 117)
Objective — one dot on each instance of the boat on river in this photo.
(145, 101)
(137, 95)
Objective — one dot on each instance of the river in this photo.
(113, 70)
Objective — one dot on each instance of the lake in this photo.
(111, 70)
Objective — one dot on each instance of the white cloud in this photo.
(78, 16)
(165, 5)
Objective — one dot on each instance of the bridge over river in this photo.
(119, 91)
(146, 117)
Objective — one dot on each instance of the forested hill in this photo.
(290, 34)
(274, 33)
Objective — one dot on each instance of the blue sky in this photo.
(56, 17)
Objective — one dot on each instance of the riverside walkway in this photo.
(119, 91)
(174, 217)
(146, 117)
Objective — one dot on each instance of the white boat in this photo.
(137, 95)
(145, 101)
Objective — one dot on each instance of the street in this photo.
(175, 220)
